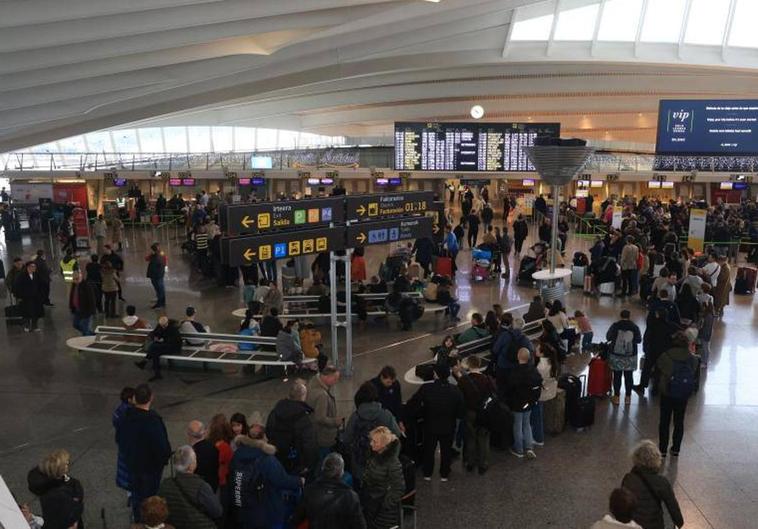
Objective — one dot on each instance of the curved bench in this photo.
(111, 340)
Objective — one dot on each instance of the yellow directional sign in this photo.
(249, 254)
(361, 210)
(248, 250)
(247, 221)
(361, 238)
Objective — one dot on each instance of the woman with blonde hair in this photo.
(383, 483)
(650, 488)
(61, 496)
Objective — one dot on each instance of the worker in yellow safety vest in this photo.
(69, 264)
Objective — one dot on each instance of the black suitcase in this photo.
(425, 372)
(13, 315)
(582, 413)
(409, 474)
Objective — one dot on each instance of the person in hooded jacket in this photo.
(672, 404)
(506, 344)
(383, 481)
(656, 339)
(61, 496)
(328, 503)
(651, 489)
(256, 457)
(290, 429)
(368, 415)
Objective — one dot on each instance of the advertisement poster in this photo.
(696, 232)
(616, 221)
(23, 193)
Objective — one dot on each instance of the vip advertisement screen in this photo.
(708, 127)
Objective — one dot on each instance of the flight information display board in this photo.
(708, 127)
(367, 207)
(491, 147)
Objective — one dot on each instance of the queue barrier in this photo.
(115, 341)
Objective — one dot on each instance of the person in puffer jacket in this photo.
(255, 458)
(61, 496)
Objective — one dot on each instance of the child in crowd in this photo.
(585, 328)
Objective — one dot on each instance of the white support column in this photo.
(597, 27)
(556, 13)
(333, 306)
(348, 370)
(643, 14)
(683, 31)
(728, 31)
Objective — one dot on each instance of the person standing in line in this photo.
(94, 277)
(191, 502)
(126, 401)
(441, 405)
(206, 454)
(100, 230)
(81, 302)
(650, 488)
(321, 399)
(44, 273)
(520, 233)
(383, 482)
(142, 438)
(476, 388)
(60, 495)
(506, 208)
(624, 336)
(118, 265)
(622, 505)
(676, 371)
(549, 369)
(723, 286)
(629, 254)
(28, 288)
(156, 270)
(328, 503)
(290, 429)
(522, 394)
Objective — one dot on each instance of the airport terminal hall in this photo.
(378, 264)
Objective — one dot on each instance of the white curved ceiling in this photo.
(352, 67)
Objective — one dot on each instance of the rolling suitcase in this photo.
(555, 413)
(444, 266)
(582, 414)
(577, 275)
(745, 280)
(600, 378)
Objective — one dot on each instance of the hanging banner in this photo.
(616, 220)
(696, 232)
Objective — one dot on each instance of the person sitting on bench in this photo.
(163, 340)
(190, 326)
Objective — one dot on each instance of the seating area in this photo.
(216, 349)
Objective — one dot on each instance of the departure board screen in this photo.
(491, 147)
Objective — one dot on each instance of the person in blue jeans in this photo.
(522, 394)
(81, 302)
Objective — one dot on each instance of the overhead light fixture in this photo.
(477, 112)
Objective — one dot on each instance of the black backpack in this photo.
(360, 445)
(248, 491)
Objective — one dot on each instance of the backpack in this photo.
(681, 383)
(248, 488)
(624, 344)
(491, 413)
(324, 304)
(360, 445)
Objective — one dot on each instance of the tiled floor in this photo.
(52, 397)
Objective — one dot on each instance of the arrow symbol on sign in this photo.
(435, 228)
(247, 221)
(249, 254)
(361, 238)
(361, 210)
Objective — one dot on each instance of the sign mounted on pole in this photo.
(372, 207)
(241, 219)
(390, 230)
(696, 231)
(243, 251)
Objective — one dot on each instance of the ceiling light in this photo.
(477, 112)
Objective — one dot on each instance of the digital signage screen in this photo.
(175, 182)
(261, 162)
(119, 182)
(489, 147)
(707, 127)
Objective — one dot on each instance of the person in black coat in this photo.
(29, 289)
(390, 395)
(163, 340)
(81, 303)
(290, 429)
(655, 341)
(441, 405)
(142, 438)
(473, 229)
(328, 503)
(520, 233)
(156, 269)
(43, 271)
(424, 250)
(61, 496)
